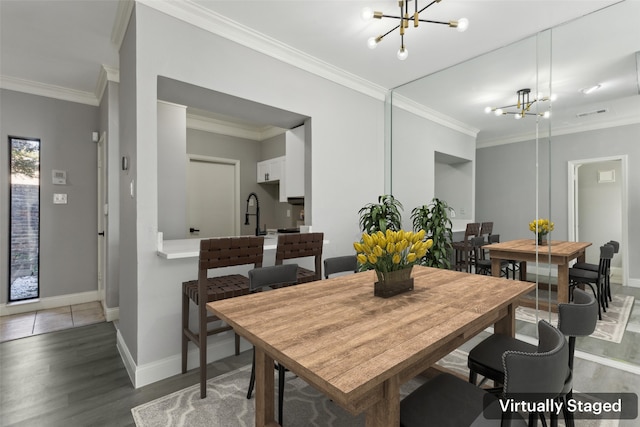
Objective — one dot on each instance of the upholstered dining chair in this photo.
(259, 280)
(577, 319)
(340, 264)
(463, 248)
(532, 376)
(596, 280)
(216, 253)
(302, 245)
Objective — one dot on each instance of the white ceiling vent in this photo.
(591, 113)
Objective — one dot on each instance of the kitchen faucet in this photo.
(257, 214)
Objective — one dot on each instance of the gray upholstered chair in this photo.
(596, 280)
(261, 279)
(340, 264)
(532, 376)
(574, 320)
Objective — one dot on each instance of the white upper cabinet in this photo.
(271, 171)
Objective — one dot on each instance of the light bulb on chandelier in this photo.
(404, 17)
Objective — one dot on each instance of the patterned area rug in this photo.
(226, 403)
(610, 328)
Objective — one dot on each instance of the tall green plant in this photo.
(382, 215)
(434, 219)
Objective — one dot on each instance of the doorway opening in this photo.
(24, 219)
(598, 208)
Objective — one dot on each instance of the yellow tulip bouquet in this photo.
(541, 227)
(391, 251)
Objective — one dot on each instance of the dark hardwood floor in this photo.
(76, 377)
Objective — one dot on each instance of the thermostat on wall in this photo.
(59, 177)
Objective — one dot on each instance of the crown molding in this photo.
(400, 101)
(222, 127)
(567, 130)
(123, 15)
(107, 74)
(205, 19)
(48, 91)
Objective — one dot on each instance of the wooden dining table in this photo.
(556, 252)
(357, 348)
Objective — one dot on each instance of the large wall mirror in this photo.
(510, 171)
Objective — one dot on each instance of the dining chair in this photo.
(576, 319)
(462, 249)
(481, 264)
(340, 264)
(261, 279)
(595, 268)
(486, 228)
(531, 376)
(594, 279)
(302, 245)
(216, 253)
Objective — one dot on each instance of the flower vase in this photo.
(542, 239)
(393, 282)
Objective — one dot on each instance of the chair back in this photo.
(486, 228)
(616, 246)
(606, 255)
(473, 229)
(301, 245)
(229, 251)
(494, 238)
(476, 244)
(275, 275)
(340, 264)
(578, 319)
(541, 375)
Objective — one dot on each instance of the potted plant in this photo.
(434, 218)
(382, 216)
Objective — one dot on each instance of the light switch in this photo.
(59, 199)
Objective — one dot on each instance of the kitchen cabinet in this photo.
(271, 170)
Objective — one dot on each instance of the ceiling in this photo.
(60, 46)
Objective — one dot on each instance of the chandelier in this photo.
(367, 13)
(522, 107)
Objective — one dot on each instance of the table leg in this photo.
(507, 325)
(264, 394)
(386, 412)
(495, 267)
(563, 283)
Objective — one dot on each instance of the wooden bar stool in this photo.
(463, 250)
(301, 245)
(216, 253)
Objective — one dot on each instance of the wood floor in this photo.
(76, 377)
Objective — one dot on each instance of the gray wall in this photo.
(506, 184)
(68, 233)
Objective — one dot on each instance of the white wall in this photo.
(347, 150)
(414, 143)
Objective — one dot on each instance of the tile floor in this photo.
(55, 319)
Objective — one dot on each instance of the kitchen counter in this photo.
(190, 248)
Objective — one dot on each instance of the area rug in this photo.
(611, 328)
(226, 404)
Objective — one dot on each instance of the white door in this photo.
(102, 220)
(212, 197)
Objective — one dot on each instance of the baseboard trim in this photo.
(142, 375)
(111, 314)
(48, 303)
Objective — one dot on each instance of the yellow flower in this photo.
(429, 244)
(391, 236)
(391, 247)
(377, 251)
(358, 247)
(362, 258)
(372, 258)
(367, 239)
(396, 259)
(411, 257)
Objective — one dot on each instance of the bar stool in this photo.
(302, 245)
(463, 248)
(216, 253)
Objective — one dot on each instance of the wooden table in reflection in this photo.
(555, 252)
(357, 348)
